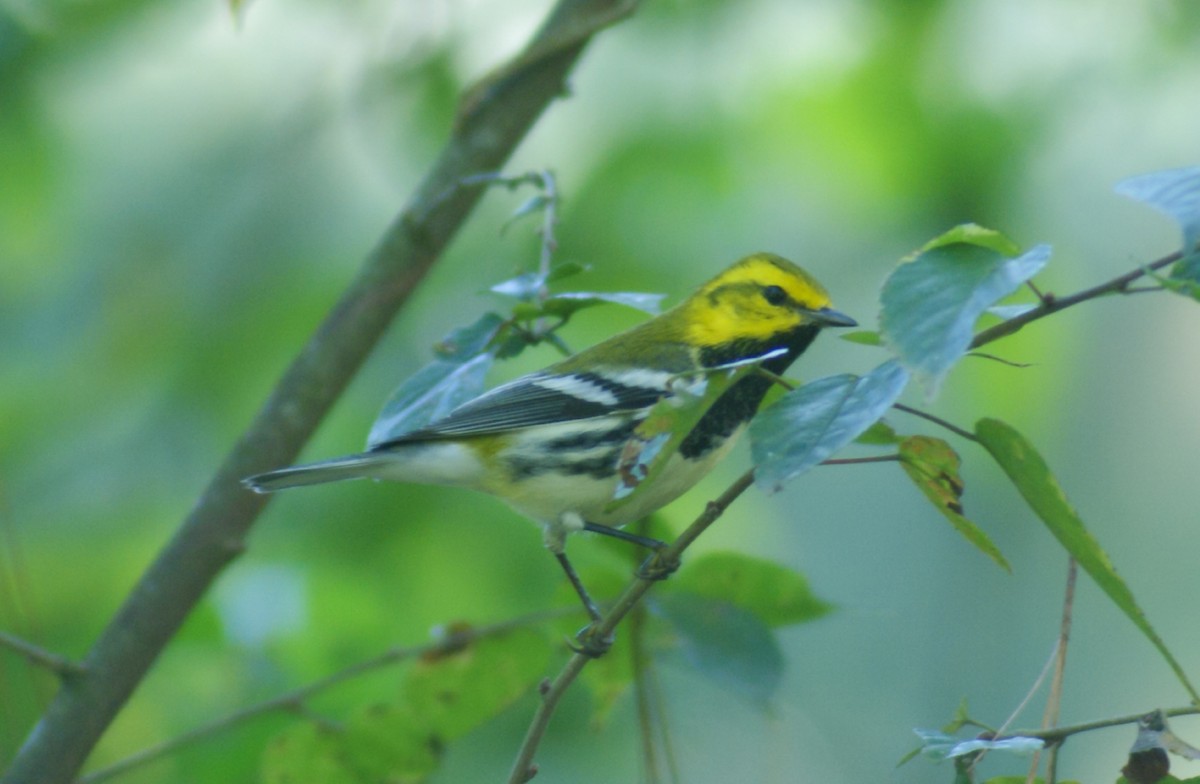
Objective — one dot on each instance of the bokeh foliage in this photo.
(181, 197)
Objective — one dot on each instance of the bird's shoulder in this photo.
(596, 382)
(544, 398)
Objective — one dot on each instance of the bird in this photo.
(550, 443)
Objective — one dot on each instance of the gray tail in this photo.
(335, 470)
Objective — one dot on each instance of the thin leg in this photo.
(592, 610)
(654, 567)
(591, 642)
(616, 533)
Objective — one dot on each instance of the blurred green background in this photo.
(182, 197)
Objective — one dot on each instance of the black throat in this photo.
(741, 401)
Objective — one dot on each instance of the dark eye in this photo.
(775, 295)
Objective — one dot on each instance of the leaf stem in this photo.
(834, 461)
(775, 378)
(60, 665)
(936, 420)
(549, 219)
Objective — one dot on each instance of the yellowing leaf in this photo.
(934, 468)
(454, 694)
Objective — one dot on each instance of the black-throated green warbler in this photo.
(549, 443)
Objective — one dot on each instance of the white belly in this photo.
(550, 496)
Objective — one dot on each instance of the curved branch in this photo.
(493, 117)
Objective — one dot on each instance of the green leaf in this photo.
(526, 287)
(444, 384)
(863, 337)
(608, 678)
(726, 643)
(529, 287)
(962, 717)
(775, 594)
(465, 343)
(934, 468)
(1185, 277)
(442, 698)
(938, 745)
(879, 434)
(1175, 192)
(669, 422)
(429, 394)
(308, 754)
(931, 304)
(455, 693)
(809, 424)
(568, 302)
(1187, 268)
(565, 269)
(534, 204)
(973, 234)
(1032, 477)
(387, 742)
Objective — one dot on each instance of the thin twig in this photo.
(523, 767)
(1050, 305)
(1001, 360)
(1059, 734)
(1054, 701)
(294, 701)
(1047, 668)
(668, 747)
(833, 461)
(640, 663)
(775, 378)
(59, 665)
(958, 431)
(549, 219)
(1017, 711)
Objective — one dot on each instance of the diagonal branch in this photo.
(524, 768)
(493, 118)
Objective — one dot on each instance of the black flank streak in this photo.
(600, 467)
(587, 440)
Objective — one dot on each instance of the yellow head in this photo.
(761, 296)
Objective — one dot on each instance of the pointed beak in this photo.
(828, 317)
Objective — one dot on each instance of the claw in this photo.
(592, 644)
(656, 567)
